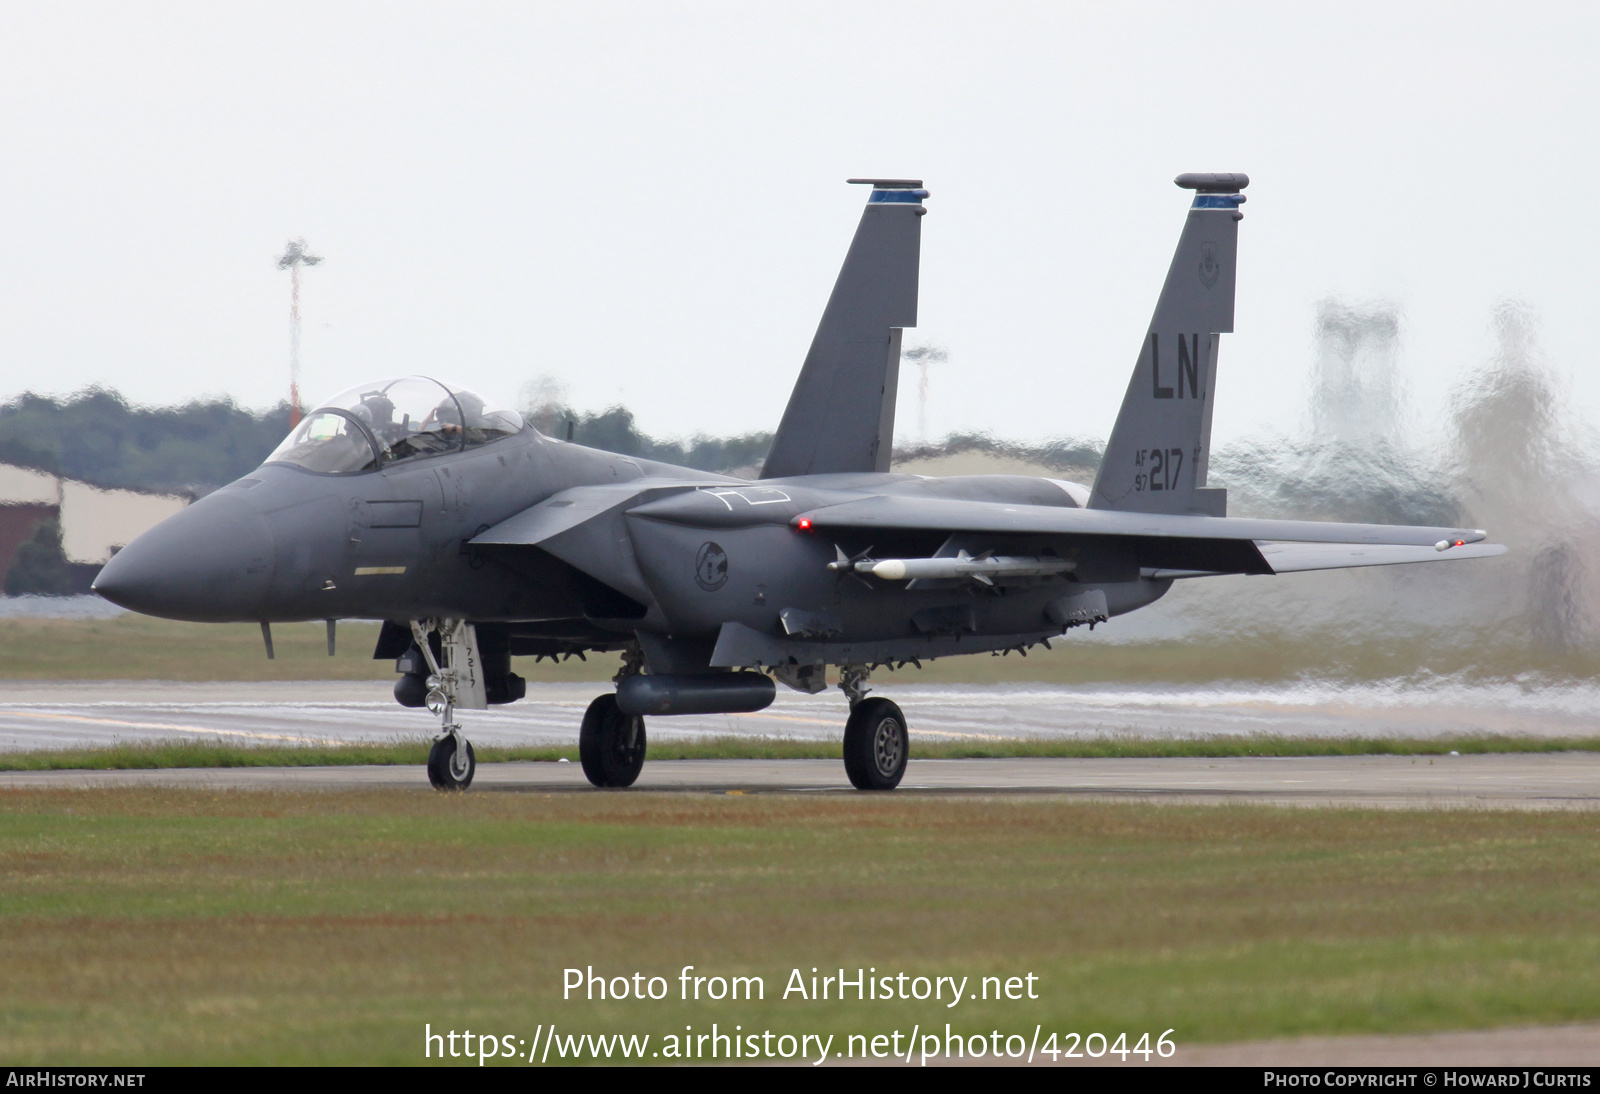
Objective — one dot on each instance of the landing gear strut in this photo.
(853, 682)
(876, 744)
(451, 762)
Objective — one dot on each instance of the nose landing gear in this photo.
(451, 761)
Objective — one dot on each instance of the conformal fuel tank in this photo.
(713, 693)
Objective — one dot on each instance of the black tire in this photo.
(876, 745)
(443, 772)
(611, 744)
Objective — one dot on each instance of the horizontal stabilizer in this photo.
(1294, 558)
(1291, 558)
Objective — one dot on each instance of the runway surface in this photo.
(77, 714)
(1509, 781)
(86, 714)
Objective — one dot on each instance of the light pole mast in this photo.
(294, 256)
(924, 356)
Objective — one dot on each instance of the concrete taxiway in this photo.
(88, 714)
(81, 714)
(1506, 781)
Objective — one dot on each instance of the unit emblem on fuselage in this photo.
(711, 567)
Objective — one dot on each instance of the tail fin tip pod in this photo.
(840, 417)
(1160, 447)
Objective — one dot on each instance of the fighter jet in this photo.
(475, 538)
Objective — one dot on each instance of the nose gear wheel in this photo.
(451, 763)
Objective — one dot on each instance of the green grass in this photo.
(199, 753)
(151, 926)
(139, 647)
(135, 647)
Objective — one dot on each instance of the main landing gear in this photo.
(611, 744)
(876, 743)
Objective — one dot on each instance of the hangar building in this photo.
(95, 522)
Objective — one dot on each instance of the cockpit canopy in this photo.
(372, 425)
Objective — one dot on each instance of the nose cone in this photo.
(210, 563)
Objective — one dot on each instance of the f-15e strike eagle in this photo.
(477, 539)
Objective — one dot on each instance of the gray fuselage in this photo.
(397, 543)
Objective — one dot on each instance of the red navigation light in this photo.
(1461, 543)
(805, 524)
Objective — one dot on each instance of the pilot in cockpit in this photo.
(407, 418)
(445, 420)
(376, 412)
(474, 418)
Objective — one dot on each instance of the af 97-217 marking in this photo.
(1163, 465)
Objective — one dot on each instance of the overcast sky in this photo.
(646, 201)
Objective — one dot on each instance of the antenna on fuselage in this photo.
(294, 256)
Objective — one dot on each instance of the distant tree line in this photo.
(1059, 454)
(97, 436)
(614, 430)
(40, 567)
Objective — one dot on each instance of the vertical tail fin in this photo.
(841, 414)
(1157, 457)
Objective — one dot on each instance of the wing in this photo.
(942, 514)
(1165, 541)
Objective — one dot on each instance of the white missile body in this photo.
(984, 568)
